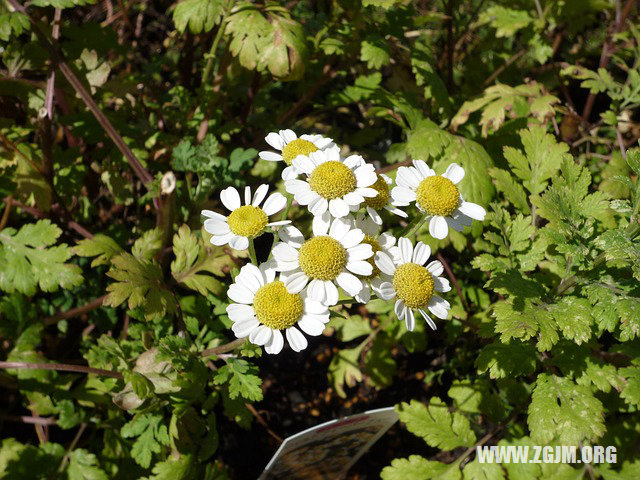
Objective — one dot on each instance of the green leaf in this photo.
(573, 316)
(386, 4)
(62, 3)
(250, 32)
(100, 246)
(507, 360)
(344, 369)
(173, 469)
(506, 21)
(511, 189)
(524, 323)
(482, 471)
(141, 283)
(375, 52)
(194, 259)
(631, 390)
(12, 24)
(541, 159)
(418, 467)
(380, 365)
(199, 15)
(148, 245)
(284, 51)
(242, 379)
(564, 411)
(152, 435)
(84, 466)
(473, 397)
(29, 260)
(436, 425)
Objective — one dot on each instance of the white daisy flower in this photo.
(332, 183)
(437, 196)
(331, 258)
(265, 307)
(379, 243)
(245, 221)
(382, 200)
(413, 284)
(290, 146)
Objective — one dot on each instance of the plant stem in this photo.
(61, 367)
(227, 347)
(252, 252)
(409, 228)
(212, 65)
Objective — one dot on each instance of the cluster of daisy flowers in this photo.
(346, 258)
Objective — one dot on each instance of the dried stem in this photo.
(227, 347)
(453, 279)
(75, 312)
(61, 367)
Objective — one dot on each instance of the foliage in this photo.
(108, 159)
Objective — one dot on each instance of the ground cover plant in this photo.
(223, 222)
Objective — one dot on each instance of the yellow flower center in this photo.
(375, 246)
(247, 221)
(438, 195)
(298, 147)
(413, 284)
(332, 179)
(322, 258)
(382, 199)
(276, 308)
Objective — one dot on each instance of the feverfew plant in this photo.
(347, 259)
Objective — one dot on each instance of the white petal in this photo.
(261, 335)
(318, 206)
(408, 177)
(353, 238)
(455, 224)
(423, 169)
(247, 195)
(439, 307)
(399, 308)
(403, 195)
(364, 295)
(240, 294)
(238, 312)
(365, 175)
(375, 216)
(290, 173)
(339, 228)
(311, 326)
(386, 240)
(296, 339)
(259, 194)
(396, 211)
(230, 198)
(214, 215)
(303, 164)
(239, 243)
(275, 140)
(360, 252)
(321, 224)
(441, 284)
(359, 267)
(276, 343)
(472, 210)
(438, 227)
(349, 283)
(284, 252)
(331, 293)
(435, 268)
(386, 291)
(221, 239)
(249, 278)
(316, 291)
(245, 327)
(406, 250)
(410, 319)
(430, 322)
(338, 207)
(295, 282)
(384, 263)
(296, 186)
(288, 135)
(455, 173)
(292, 236)
(421, 253)
(270, 156)
(353, 161)
(216, 227)
(314, 308)
(367, 192)
(274, 203)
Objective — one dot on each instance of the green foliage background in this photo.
(121, 121)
